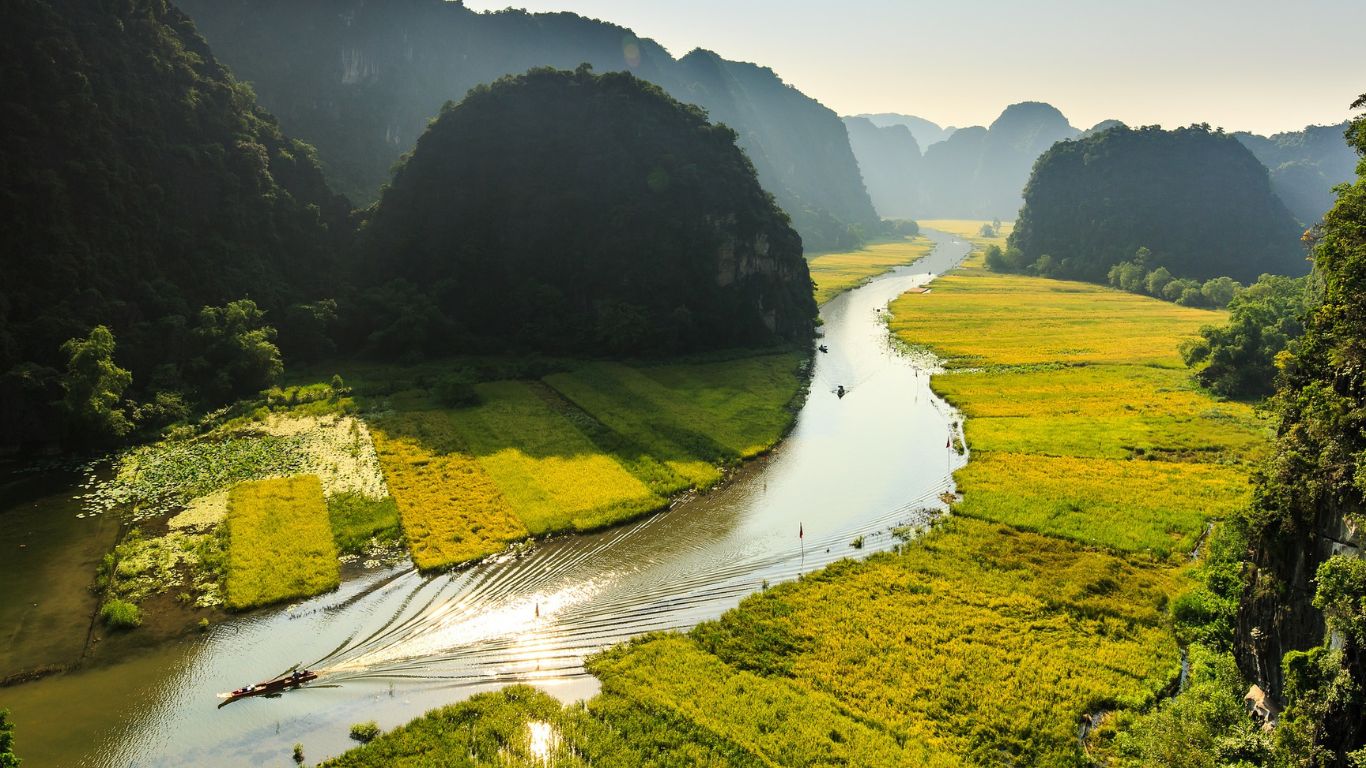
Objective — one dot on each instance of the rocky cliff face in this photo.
(1277, 614)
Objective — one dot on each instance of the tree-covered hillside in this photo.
(1305, 166)
(1302, 619)
(361, 80)
(1196, 198)
(572, 212)
(138, 183)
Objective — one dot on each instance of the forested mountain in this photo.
(926, 132)
(360, 80)
(1302, 619)
(1305, 166)
(572, 212)
(1196, 198)
(140, 183)
(889, 159)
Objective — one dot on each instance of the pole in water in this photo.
(538, 610)
(801, 537)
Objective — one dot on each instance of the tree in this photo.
(1157, 280)
(1239, 359)
(7, 757)
(1127, 276)
(238, 353)
(1219, 291)
(94, 386)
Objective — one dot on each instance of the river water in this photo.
(391, 643)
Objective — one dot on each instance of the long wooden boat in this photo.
(274, 685)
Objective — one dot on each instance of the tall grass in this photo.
(280, 544)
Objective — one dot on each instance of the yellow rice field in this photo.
(280, 543)
(451, 511)
(974, 318)
(835, 273)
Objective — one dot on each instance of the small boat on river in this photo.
(274, 685)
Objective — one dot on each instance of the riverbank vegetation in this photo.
(835, 273)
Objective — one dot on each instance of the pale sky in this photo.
(1244, 65)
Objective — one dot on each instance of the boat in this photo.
(274, 685)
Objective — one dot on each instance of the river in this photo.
(392, 643)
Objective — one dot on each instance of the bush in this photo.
(120, 614)
(457, 390)
(365, 732)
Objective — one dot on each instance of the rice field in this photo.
(591, 447)
(976, 318)
(835, 273)
(1082, 419)
(700, 412)
(551, 474)
(1101, 411)
(981, 641)
(1156, 507)
(970, 230)
(280, 544)
(451, 511)
(975, 645)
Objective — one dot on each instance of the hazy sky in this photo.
(1249, 65)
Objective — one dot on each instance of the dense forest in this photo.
(140, 184)
(360, 81)
(572, 212)
(1196, 199)
(1302, 617)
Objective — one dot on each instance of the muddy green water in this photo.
(390, 643)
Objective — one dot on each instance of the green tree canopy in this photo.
(94, 385)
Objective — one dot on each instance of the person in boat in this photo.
(839, 391)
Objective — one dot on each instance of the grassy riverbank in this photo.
(1044, 599)
(835, 273)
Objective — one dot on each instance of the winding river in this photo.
(391, 643)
